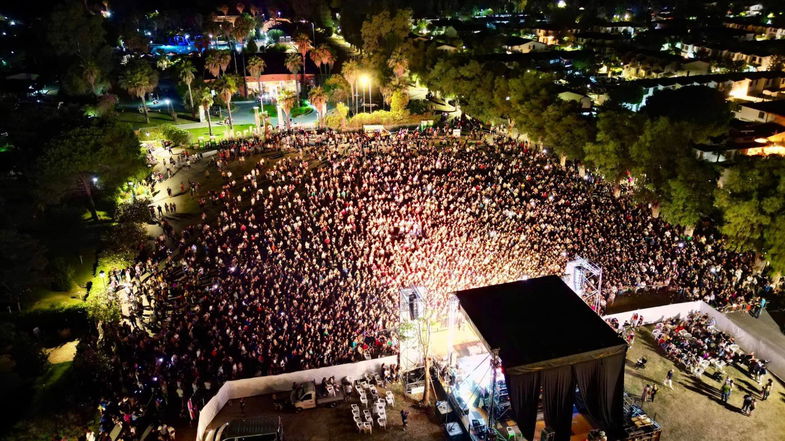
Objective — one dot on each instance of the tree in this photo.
(398, 63)
(752, 203)
(566, 130)
(287, 100)
(610, 152)
(91, 73)
(529, 94)
(303, 44)
(656, 154)
(217, 62)
(382, 34)
(139, 79)
(704, 108)
(685, 201)
(71, 31)
(103, 155)
(294, 63)
(186, 71)
(256, 66)
(243, 26)
(327, 57)
(338, 90)
(205, 98)
(318, 98)
(226, 86)
(350, 72)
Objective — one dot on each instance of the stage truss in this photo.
(412, 308)
(585, 279)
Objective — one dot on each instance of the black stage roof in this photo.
(538, 324)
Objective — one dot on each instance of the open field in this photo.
(693, 410)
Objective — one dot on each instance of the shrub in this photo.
(135, 211)
(398, 101)
(336, 119)
(124, 242)
(418, 106)
(383, 117)
(176, 136)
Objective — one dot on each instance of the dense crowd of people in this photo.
(297, 262)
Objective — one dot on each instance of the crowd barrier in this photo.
(250, 387)
(763, 347)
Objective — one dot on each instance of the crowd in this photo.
(300, 261)
(695, 344)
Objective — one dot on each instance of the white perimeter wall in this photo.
(250, 387)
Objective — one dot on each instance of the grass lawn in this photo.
(137, 120)
(218, 131)
(272, 111)
(693, 411)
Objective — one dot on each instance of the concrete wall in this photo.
(658, 313)
(250, 387)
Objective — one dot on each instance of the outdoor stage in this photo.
(473, 361)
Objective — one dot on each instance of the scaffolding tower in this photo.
(585, 279)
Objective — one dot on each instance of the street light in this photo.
(365, 80)
(171, 109)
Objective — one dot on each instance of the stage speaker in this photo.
(547, 434)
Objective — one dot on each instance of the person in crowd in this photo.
(767, 390)
(669, 378)
(726, 390)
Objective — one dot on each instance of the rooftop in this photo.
(519, 319)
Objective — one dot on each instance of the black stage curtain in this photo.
(558, 396)
(524, 398)
(612, 389)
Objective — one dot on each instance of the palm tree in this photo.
(294, 63)
(242, 28)
(256, 66)
(90, 73)
(303, 44)
(327, 57)
(185, 71)
(139, 79)
(287, 100)
(205, 96)
(316, 58)
(226, 87)
(351, 72)
(217, 62)
(318, 98)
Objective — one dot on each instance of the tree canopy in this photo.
(106, 150)
(752, 201)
